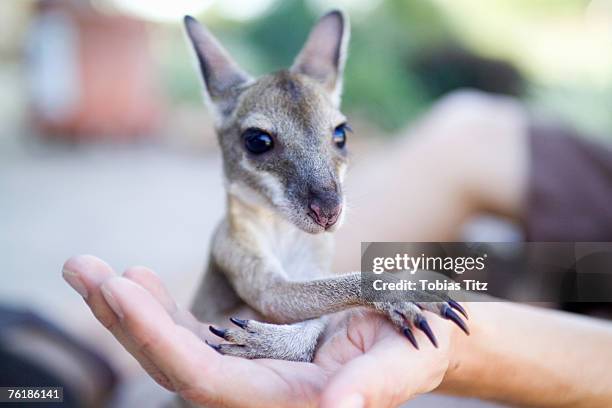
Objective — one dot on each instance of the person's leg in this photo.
(468, 154)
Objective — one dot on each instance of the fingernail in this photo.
(75, 281)
(352, 401)
(112, 302)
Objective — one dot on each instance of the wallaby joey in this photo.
(283, 141)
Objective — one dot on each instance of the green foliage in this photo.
(403, 55)
(377, 82)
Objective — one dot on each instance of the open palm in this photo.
(362, 360)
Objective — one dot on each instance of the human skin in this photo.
(515, 354)
(528, 356)
(468, 155)
(170, 345)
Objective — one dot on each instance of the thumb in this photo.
(387, 375)
(362, 382)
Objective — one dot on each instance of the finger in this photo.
(365, 381)
(146, 278)
(198, 373)
(177, 352)
(86, 273)
(149, 280)
(340, 392)
(389, 365)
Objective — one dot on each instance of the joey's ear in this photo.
(324, 54)
(222, 77)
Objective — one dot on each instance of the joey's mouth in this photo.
(325, 220)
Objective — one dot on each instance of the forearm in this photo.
(291, 301)
(528, 356)
(435, 201)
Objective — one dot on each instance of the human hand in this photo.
(362, 361)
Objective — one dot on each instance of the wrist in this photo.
(477, 362)
(463, 354)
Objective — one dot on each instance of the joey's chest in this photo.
(302, 255)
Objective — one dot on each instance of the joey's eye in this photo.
(339, 136)
(257, 141)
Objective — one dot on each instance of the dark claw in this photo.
(239, 322)
(410, 336)
(217, 332)
(450, 314)
(422, 324)
(458, 307)
(214, 346)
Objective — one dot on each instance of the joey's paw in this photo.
(407, 316)
(253, 339)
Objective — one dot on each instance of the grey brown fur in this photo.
(270, 257)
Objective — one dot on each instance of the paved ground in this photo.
(131, 206)
(136, 205)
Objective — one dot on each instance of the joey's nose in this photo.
(325, 208)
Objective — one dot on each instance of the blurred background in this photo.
(106, 148)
